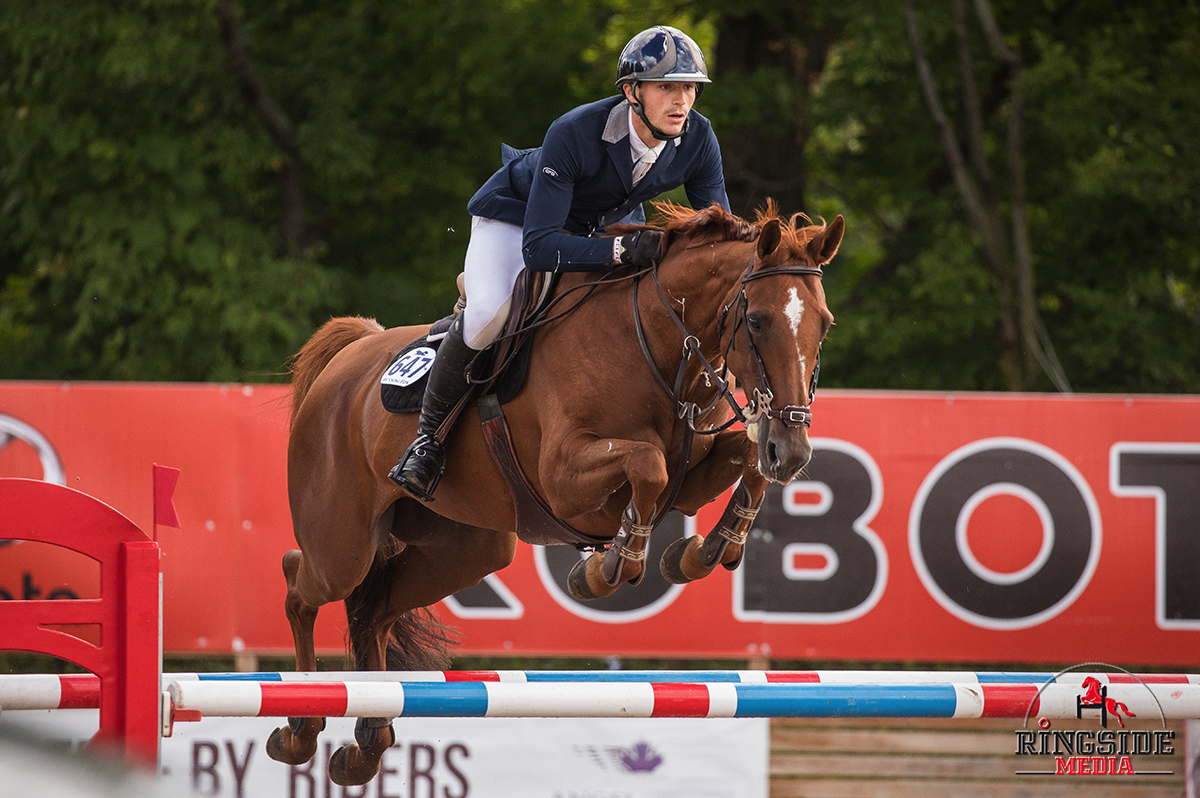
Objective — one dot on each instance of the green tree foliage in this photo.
(1113, 223)
(134, 241)
(189, 187)
(142, 209)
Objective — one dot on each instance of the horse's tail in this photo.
(417, 641)
(334, 336)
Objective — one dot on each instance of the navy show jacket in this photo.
(580, 181)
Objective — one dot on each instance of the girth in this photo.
(536, 524)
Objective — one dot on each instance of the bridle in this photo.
(690, 412)
(760, 404)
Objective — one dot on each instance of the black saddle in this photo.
(500, 369)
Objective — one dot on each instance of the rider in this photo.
(545, 207)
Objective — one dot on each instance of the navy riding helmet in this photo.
(661, 54)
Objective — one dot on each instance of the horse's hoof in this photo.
(577, 581)
(586, 581)
(352, 765)
(671, 562)
(681, 562)
(733, 563)
(294, 747)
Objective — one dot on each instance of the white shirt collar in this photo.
(638, 147)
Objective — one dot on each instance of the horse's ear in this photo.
(824, 245)
(769, 237)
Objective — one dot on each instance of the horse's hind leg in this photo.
(358, 762)
(445, 558)
(296, 743)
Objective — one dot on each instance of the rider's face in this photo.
(667, 105)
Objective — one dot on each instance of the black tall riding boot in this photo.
(421, 467)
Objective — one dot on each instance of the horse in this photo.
(1097, 697)
(626, 413)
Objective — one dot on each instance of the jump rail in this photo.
(672, 700)
(874, 694)
(82, 691)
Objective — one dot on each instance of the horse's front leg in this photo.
(692, 558)
(582, 484)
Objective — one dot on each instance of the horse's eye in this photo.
(754, 323)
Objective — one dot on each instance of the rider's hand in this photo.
(641, 249)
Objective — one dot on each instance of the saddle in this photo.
(497, 376)
(502, 366)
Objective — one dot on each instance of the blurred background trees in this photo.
(189, 187)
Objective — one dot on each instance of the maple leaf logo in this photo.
(638, 758)
(641, 758)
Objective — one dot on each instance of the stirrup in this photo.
(423, 455)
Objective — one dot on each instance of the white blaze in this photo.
(794, 309)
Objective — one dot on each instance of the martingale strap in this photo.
(536, 523)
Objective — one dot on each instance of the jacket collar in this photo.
(617, 127)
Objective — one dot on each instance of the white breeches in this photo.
(494, 260)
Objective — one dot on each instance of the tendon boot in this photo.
(421, 467)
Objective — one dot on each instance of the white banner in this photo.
(463, 757)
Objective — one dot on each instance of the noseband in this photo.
(760, 404)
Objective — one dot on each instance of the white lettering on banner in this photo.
(1065, 502)
(810, 560)
(848, 490)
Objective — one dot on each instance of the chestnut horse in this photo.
(624, 415)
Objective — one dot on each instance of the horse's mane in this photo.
(714, 223)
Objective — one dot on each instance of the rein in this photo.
(541, 318)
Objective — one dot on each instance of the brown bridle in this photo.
(760, 403)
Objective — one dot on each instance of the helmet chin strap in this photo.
(640, 110)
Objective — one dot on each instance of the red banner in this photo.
(929, 527)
